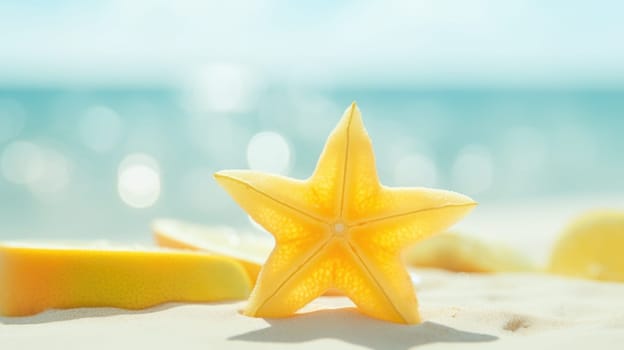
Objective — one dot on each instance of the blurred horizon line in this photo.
(157, 84)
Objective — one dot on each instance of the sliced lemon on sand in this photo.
(36, 277)
(249, 249)
(461, 253)
(591, 247)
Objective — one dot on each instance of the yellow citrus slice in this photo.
(249, 249)
(36, 277)
(591, 247)
(461, 253)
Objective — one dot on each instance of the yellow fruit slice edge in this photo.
(461, 253)
(250, 250)
(591, 247)
(37, 277)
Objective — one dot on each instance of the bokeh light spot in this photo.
(138, 181)
(268, 151)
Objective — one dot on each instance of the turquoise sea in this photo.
(69, 156)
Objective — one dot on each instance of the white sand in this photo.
(461, 311)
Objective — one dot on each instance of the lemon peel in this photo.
(591, 247)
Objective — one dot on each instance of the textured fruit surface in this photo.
(36, 277)
(461, 253)
(249, 249)
(591, 247)
(340, 229)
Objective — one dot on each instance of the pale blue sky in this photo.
(441, 42)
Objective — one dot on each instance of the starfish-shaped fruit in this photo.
(340, 229)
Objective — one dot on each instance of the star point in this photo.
(340, 229)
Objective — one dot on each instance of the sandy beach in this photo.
(165, 165)
(506, 311)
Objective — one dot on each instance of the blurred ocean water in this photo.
(102, 163)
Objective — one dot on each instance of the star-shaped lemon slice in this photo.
(340, 229)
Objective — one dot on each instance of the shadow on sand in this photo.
(91, 312)
(350, 326)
